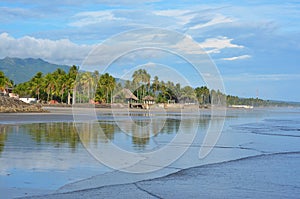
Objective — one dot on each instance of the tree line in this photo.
(101, 88)
(5, 82)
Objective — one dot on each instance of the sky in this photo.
(255, 45)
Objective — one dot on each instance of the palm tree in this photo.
(141, 76)
(4, 81)
(71, 77)
(105, 87)
(50, 84)
(163, 88)
(37, 83)
(62, 86)
(87, 83)
(155, 85)
(147, 78)
(202, 94)
(128, 84)
(188, 94)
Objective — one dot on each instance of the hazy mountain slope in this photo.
(21, 70)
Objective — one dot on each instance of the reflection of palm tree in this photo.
(55, 133)
(3, 137)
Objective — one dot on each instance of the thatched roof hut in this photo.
(126, 94)
(149, 99)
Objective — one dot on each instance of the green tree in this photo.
(188, 95)
(105, 88)
(71, 78)
(5, 82)
(202, 94)
(155, 85)
(36, 84)
(141, 76)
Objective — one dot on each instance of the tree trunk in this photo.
(74, 97)
(111, 97)
(48, 97)
(69, 97)
(61, 98)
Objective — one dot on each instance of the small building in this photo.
(28, 100)
(13, 95)
(125, 96)
(149, 99)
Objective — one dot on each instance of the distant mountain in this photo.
(22, 70)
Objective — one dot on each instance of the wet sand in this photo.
(262, 176)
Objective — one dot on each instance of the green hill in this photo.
(22, 70)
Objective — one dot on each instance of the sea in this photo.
(244, 153)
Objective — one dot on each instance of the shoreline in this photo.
(65, 114)
(106, 108)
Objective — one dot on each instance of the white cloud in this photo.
(218, 19)
(219, 43)
(237, 58)
(61, 51)
(182, 16)
(88, 18)
(215, 45)
(189, 46)
(64, 51)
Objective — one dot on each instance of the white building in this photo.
(29, 100)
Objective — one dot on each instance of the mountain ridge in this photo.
(23, 69)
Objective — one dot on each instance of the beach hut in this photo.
(125, 95)
(149, 99)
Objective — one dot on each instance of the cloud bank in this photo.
(61, 51)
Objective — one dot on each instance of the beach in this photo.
(256, 156)
(253, 177)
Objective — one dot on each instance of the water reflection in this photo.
(3, 137)
(54, 133)
(65, 134)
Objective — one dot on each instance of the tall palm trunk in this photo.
(69, 97)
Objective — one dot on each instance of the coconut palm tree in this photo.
(4, 81)
(71, 78)
(36, 84)
(141, 76)
(49, 84)
(155, 85)
(87, 83)
(105, 87)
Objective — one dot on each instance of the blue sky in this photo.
(255, 44)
